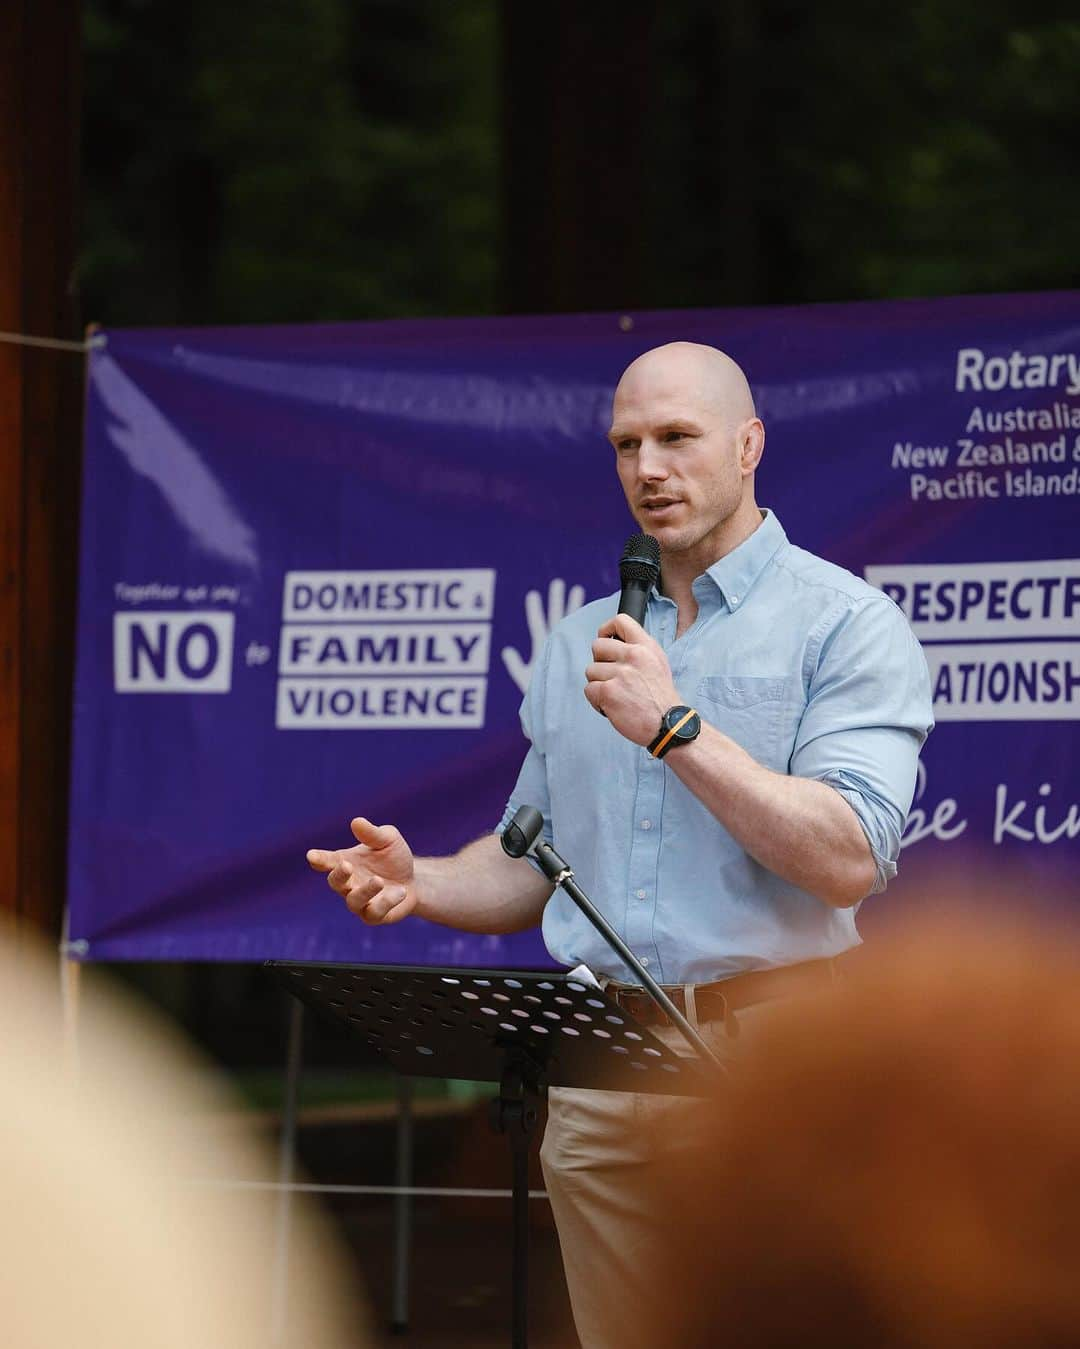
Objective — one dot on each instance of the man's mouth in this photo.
(658, 505)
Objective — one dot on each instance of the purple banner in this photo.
(317, 562)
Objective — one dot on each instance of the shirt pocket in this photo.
(759, 712)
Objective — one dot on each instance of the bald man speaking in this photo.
(732, 855)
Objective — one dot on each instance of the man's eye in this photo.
(626, 446)
(675, 435)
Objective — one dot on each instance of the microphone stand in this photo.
(520, 837)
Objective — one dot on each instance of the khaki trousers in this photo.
(597, 1148)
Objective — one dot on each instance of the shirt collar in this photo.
(735, 574)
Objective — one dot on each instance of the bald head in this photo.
(687, 443)
(687, 372)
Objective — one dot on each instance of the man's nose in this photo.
(652, 462)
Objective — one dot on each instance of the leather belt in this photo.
(713, 1002)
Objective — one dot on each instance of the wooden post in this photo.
(40, 398)
(578, 85)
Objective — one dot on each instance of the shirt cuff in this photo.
(884, 865)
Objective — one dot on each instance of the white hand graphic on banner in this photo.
(559, 604)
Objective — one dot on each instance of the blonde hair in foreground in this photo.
(114, 1235)
(899, 1163)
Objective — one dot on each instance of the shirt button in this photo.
(646, 824)
(734, 599)
(644, 962)
(641, 894)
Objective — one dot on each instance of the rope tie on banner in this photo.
(53, 343)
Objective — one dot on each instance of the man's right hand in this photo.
(376, 879)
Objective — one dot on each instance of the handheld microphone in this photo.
(639, 570)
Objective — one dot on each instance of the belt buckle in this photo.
(644, 1011)
(637, 1003)
(677, 995)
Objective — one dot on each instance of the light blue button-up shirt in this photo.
(813, 672)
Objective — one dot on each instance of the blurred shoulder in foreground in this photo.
(118, 1227)
(898, 1165)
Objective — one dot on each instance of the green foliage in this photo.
(931, 148)
(313, 159)
(264, 1089)
(287, 161)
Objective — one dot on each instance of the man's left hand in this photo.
(630, 680)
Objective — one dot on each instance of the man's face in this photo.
(677, 455)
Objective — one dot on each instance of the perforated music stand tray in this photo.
(524, 1031)
(461, 1023)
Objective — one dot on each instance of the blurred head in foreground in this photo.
(899, 1165)
(113, 1233)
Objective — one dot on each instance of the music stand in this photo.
(524, 1031)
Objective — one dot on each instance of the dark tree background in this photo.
(353, 159)
(290, 160)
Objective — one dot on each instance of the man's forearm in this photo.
(480, 889)
(800, 829)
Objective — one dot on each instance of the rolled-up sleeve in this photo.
(868, 712)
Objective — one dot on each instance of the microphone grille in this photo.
(640, 559)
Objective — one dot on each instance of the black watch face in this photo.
(689, 730)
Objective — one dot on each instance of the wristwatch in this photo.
(678, 726)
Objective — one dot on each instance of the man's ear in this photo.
(751, 445)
